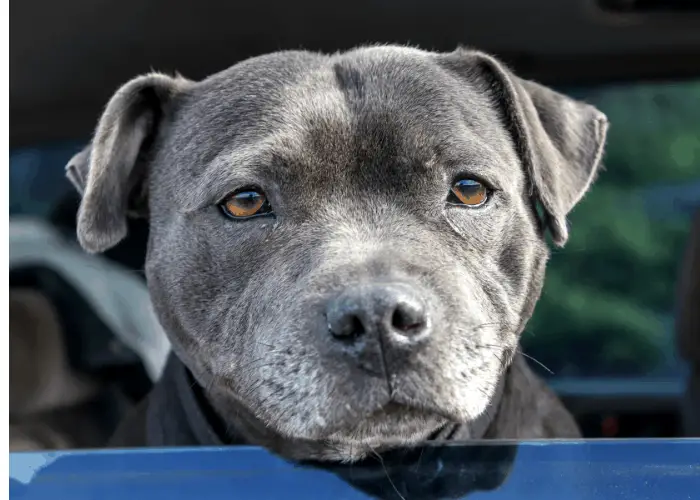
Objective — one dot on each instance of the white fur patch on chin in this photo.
(388, 431)
(352, 450)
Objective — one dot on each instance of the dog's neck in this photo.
(181, 414)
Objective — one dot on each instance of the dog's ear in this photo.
(111, 172)
(559, 140)
(77, 169)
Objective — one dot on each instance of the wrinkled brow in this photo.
(229, 170)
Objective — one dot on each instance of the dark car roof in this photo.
(67, 57)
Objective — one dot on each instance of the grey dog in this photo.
(344, 249)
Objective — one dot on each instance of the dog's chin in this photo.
(398, 419)
(350, 435)
(392, 425)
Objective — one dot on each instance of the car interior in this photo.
(604, 333)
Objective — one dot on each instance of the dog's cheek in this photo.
(480, 321)
(196, 276)
(474, 350)
(282, 377)
(183, 302)
(520, 268)
(500, 284)
(480, 230)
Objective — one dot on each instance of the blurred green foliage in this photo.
(608, 300)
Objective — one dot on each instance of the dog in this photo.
(344, 249)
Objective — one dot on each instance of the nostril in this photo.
(408, 318)
(346, 327)
(393, 312)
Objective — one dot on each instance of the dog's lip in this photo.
(398, 403)
(386, 412)
(397, 406)
(393, 407)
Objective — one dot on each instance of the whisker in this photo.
(250, 363)
(520, 351)
(420, 457)
(536, 361)
(386, 472)
(266, 345)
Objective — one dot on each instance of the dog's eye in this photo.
(245, 204)
(468, 192)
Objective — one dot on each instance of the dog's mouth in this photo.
(404, 419)
(394, 422)
(394, 409)
(401, 409)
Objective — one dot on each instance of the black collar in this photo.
(178, 413)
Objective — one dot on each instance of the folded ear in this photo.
(77, 169)
(560, 140)
(111, 172)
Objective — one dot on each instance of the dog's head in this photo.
(346, 246)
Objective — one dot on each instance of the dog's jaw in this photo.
(373, 436)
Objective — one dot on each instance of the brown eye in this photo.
(245, 204)
(468, 192)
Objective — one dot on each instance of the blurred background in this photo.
(84, 342)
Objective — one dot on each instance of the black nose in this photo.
(394, 311)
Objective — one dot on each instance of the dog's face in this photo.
(346, 246)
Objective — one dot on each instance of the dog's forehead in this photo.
(300, 90)
(321, 112)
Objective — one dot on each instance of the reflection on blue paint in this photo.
(629, 469)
